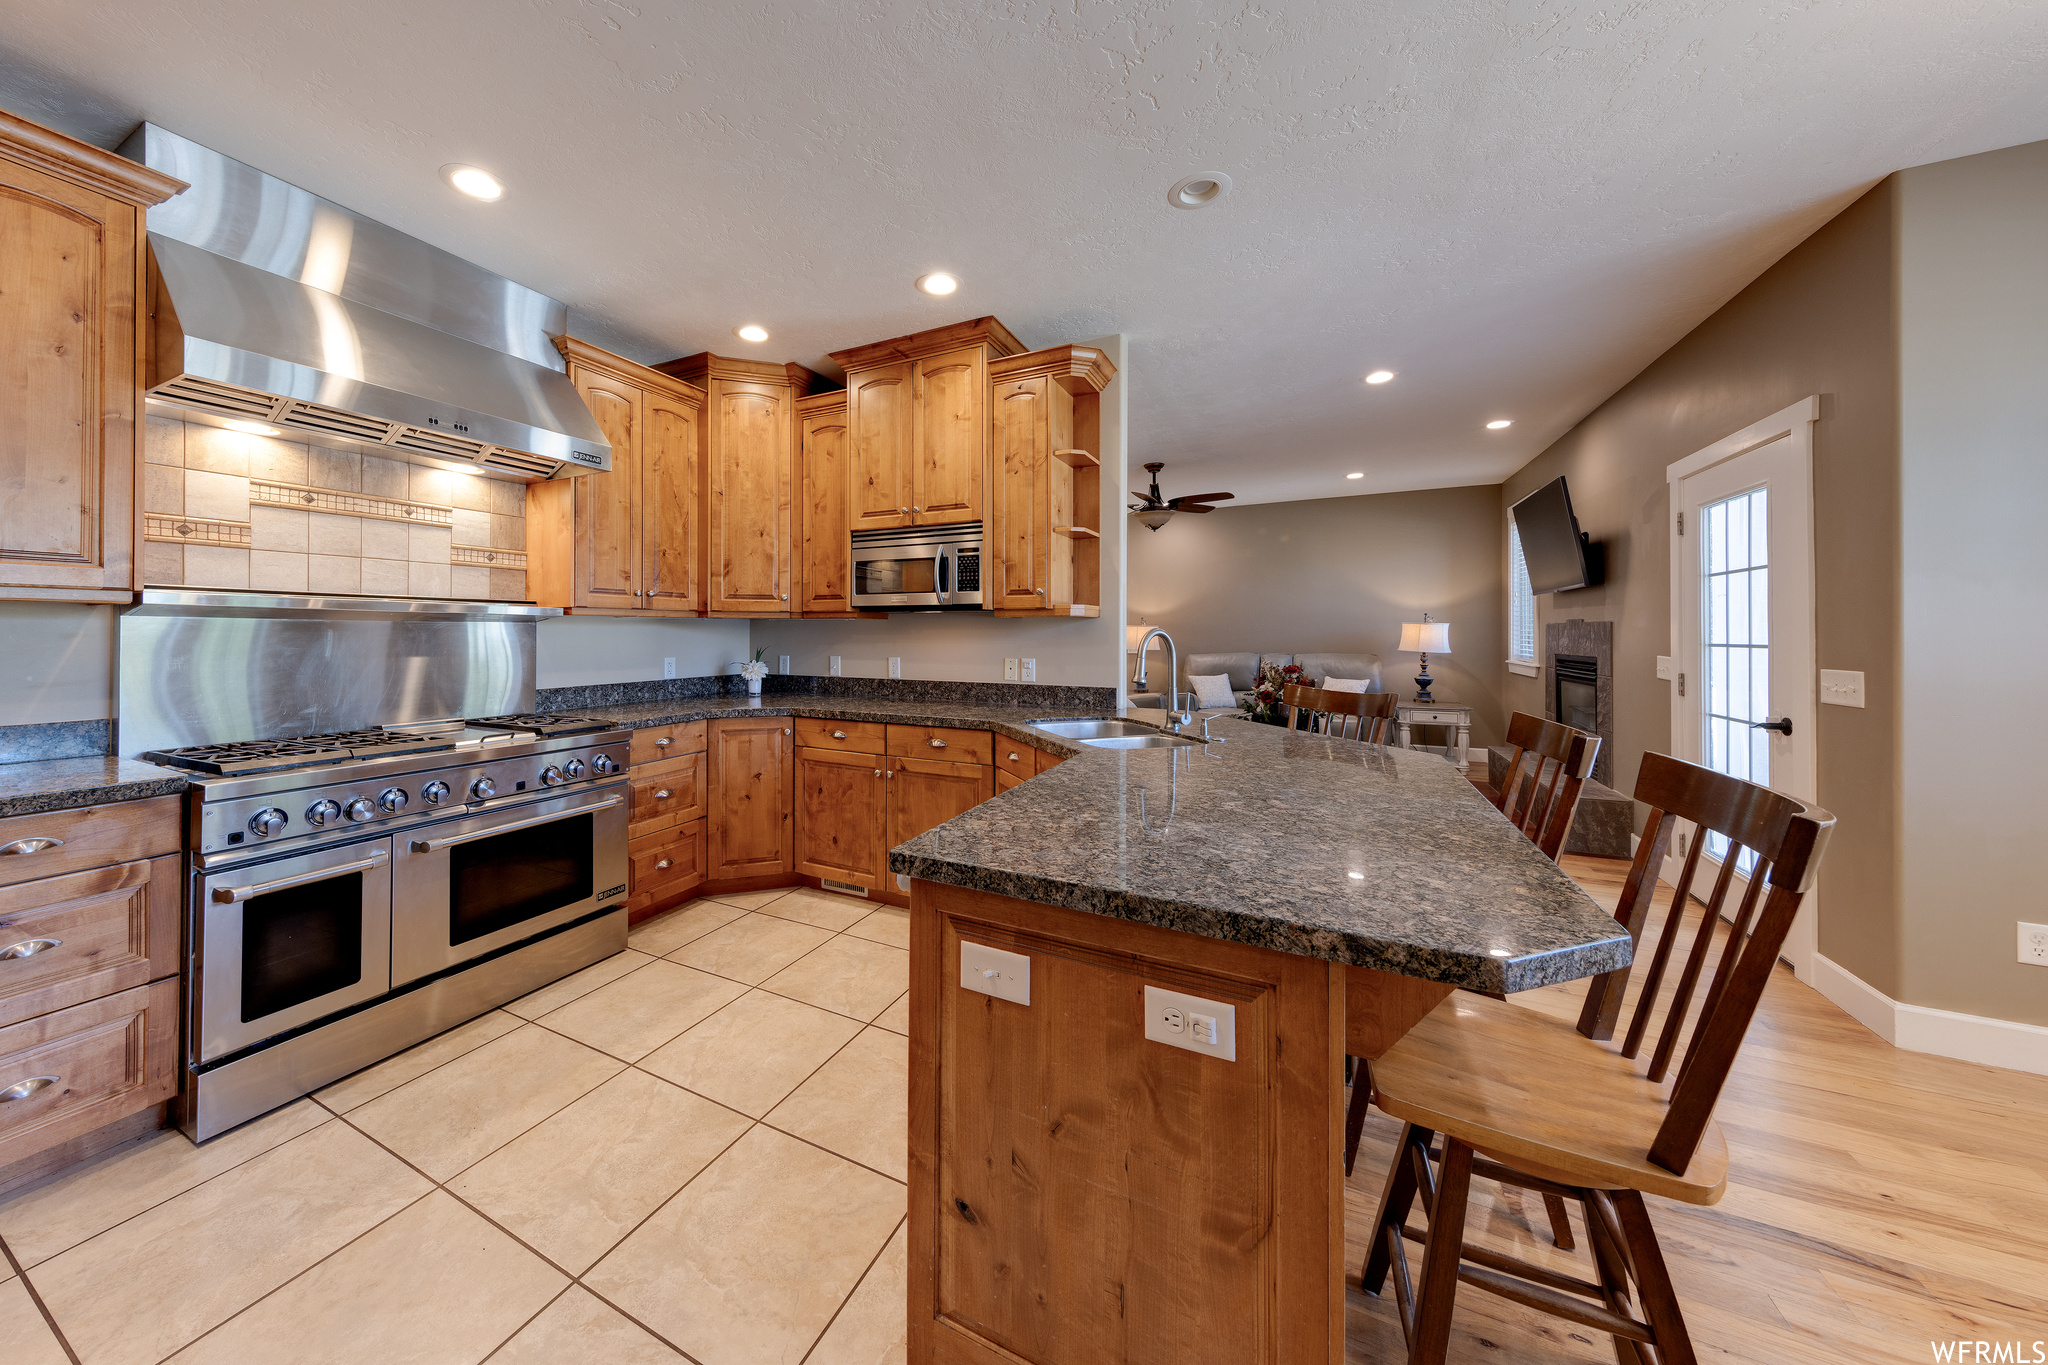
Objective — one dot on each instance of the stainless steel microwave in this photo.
(918, 568)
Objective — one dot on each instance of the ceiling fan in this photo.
(1155, 511)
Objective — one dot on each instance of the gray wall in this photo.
(1820, 321)
(1339, 575)
(1973, 326)
(56, 662)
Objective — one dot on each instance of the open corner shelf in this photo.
(1079, 459)
(1076, 532)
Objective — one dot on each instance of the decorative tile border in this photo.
(265, 493)
(485, 556)
(177, 530)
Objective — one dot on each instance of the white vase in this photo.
(753, 687)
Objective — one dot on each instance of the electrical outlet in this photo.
(835, 665)
(2034, 944)
(1189, 1021)
(668, 668)
(1666, 669)
(785, 665)
(1031, 670)
(995, 971)
(895, 666)
(1009, 670)
(1841, 687)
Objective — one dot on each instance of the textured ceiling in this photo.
(1513, 206)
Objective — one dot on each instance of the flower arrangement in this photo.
(753, 670)
(1269, 691)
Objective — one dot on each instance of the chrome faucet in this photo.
(1180, 717)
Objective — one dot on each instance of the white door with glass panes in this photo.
(1744, 690)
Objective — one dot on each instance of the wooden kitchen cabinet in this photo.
(664, 867)
(918, 418)
(842, 816)
(824, 453)
(1045, 483)
(924, 793)
(667, 792)
(72, 284)
(627, 541)
(747, 455)
(752, 799)
(664, 794)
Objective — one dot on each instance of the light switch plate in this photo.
(1666, 669)
(895, 666)
(1170, 1018)
(995, 971)
(1840, 687)
(835, 665)
(1031, 670)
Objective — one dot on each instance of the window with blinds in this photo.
(1521, 604)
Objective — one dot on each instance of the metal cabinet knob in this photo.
(663, 742)
(35, 844)
(662, 864)
(662, 795)
(903, 509)
(22, 1090)
(878, 772)
(917, 509)
(785, 732)
(1014, 758)
(936, 743)
(839, 734)
(29, 947)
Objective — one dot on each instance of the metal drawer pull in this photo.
(435, 845)
(839, 734)
(1015, 759)
(34, 844)
(660, 865)
(29, 947)
(228, 895)
(664, 742)
(662, 795)
(936, 743)
(22, 1090)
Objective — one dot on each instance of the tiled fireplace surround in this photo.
(222, 509)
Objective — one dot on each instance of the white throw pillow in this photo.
(1347, 684)
(1212, 691)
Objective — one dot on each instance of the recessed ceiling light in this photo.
(477, 184)
(1499, 423)
(1197, 191)
(753, 331)
(1379, 376)
(253, 428)
(1359, 475)
(938, 282)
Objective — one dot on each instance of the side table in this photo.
(1457, 717)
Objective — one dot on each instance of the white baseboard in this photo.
(1942, 1033)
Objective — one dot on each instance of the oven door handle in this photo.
(939, 576)
(435, 845)
(228, 895)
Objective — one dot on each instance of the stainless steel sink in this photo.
(1155, 740)
(1092, 729)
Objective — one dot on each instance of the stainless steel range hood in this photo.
(278, 307)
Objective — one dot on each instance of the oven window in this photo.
(498, 882)
(301, 944)
(894, 575)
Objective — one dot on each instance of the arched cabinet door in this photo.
(950, 436)
(749, 509)
(824, 550)
(1018, 529)
(878, 407)
(607, 537)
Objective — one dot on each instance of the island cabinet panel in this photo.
(1048, 759)
(949, 421)
(71, 345)
(1080, 1195)
(924, 794)
(824, 526)
(878, 409)
(841, 817)
(752, 798)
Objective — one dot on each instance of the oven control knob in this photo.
(574, 767)
(433, 792)
(268, 821)
(359, 809)
(320, 812)
(392, 799)
(483, 789)
(604, 765)
(551, 776)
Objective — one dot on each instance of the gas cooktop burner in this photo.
(539, 724)
(308, 751)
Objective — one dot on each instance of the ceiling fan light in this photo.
(1153, 517)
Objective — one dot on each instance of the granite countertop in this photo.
(69, 783)
(1378, 857)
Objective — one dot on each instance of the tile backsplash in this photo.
(222, 509)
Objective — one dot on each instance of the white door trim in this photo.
(1802, 948)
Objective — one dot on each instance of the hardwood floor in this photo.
(1879, 1201)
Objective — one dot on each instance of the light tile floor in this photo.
(693, 1150)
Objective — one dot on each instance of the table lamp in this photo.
(1425, 637)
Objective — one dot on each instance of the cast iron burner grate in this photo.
(252, 755)
(538, 724)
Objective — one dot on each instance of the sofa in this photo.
(1244, 668)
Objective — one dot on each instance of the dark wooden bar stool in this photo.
(1365, 716)
(1526, 1100)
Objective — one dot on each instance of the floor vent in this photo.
(843, 888)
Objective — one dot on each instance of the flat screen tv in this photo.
(1559, 555)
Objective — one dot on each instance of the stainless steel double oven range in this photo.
(352, 894)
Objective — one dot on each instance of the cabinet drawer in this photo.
(33, 846)
(665, 864)
(105, 1059)
(1005, 779)
(1410, 716)
(851, 736)
(89, 934)
(935, 742)
(666, 794)
(657, 742)
(1047, 759)
(1015, 757)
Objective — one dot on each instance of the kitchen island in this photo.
(1087, 1187)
